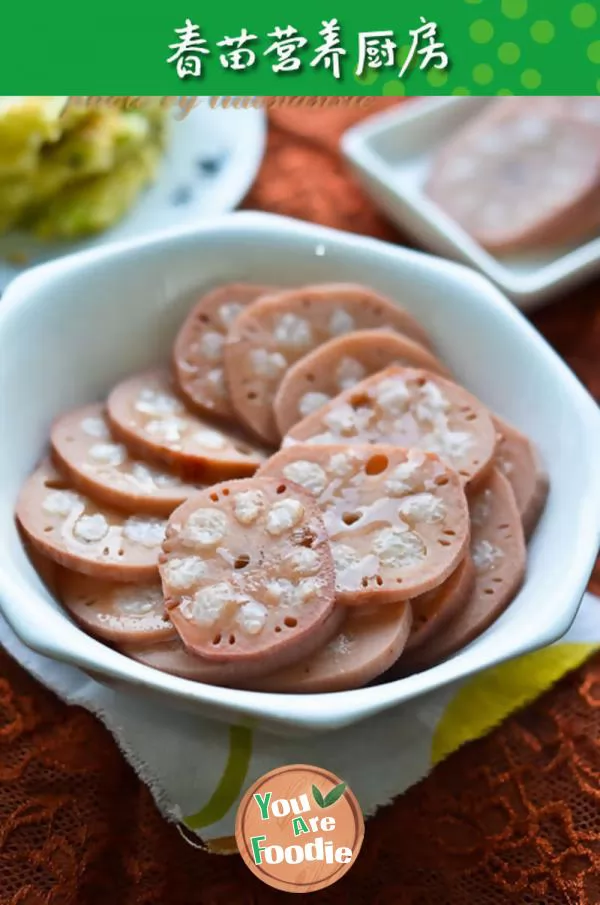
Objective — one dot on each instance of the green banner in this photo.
(315, 48)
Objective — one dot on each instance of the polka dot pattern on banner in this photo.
(510, 49)
(531, 79)
(402, 55)
(368, 77)
(437, 78)
(509, 53)
(483, 74)
(394, 88)
(584, 15)
(481, 31)
(518, 34)
(513, 9)
(543, 31)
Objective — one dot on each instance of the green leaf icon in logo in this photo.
(318, 797)
(332, 796)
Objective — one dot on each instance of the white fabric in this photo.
(182, 757)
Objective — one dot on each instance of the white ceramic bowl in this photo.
(70, 329)
(392, 153)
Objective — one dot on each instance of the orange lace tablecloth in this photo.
(513, 818)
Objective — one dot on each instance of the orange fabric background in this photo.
(513, 818)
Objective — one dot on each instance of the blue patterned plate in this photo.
(212, 158)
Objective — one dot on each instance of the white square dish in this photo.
(392, 153)
(70, 329)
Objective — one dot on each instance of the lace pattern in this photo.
(512, 818)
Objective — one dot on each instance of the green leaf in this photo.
(334, 794)
(318, 797)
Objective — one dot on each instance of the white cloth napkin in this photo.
(197, 769)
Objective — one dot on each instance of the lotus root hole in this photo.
(420, 381)
(442, 480)
(241, 561)
(350, 518)
(56, 484)
(290, 622)
(379, 580)
(444, 543)
(361, 399)
(376, 465)
(450, 533)
(225, 491)
(216, 640)
(251, 395)
(232, 639)
(282, 488)
(214, 497)
(277, 628)
(304, 537)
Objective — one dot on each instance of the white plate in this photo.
(71, 329)
(392, 153)
(210, 163)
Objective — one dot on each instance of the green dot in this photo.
(437, 78)
(461, 92)
(367, 77)
(472, 1)
(402, 56)
(509, 53)
(583, 15)
(394, 89)
(402, 53)
(514, 9)
(504, 92)
(481, 31)
(483, 74)
(593, 52)
(542, 31)
(531, 79)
